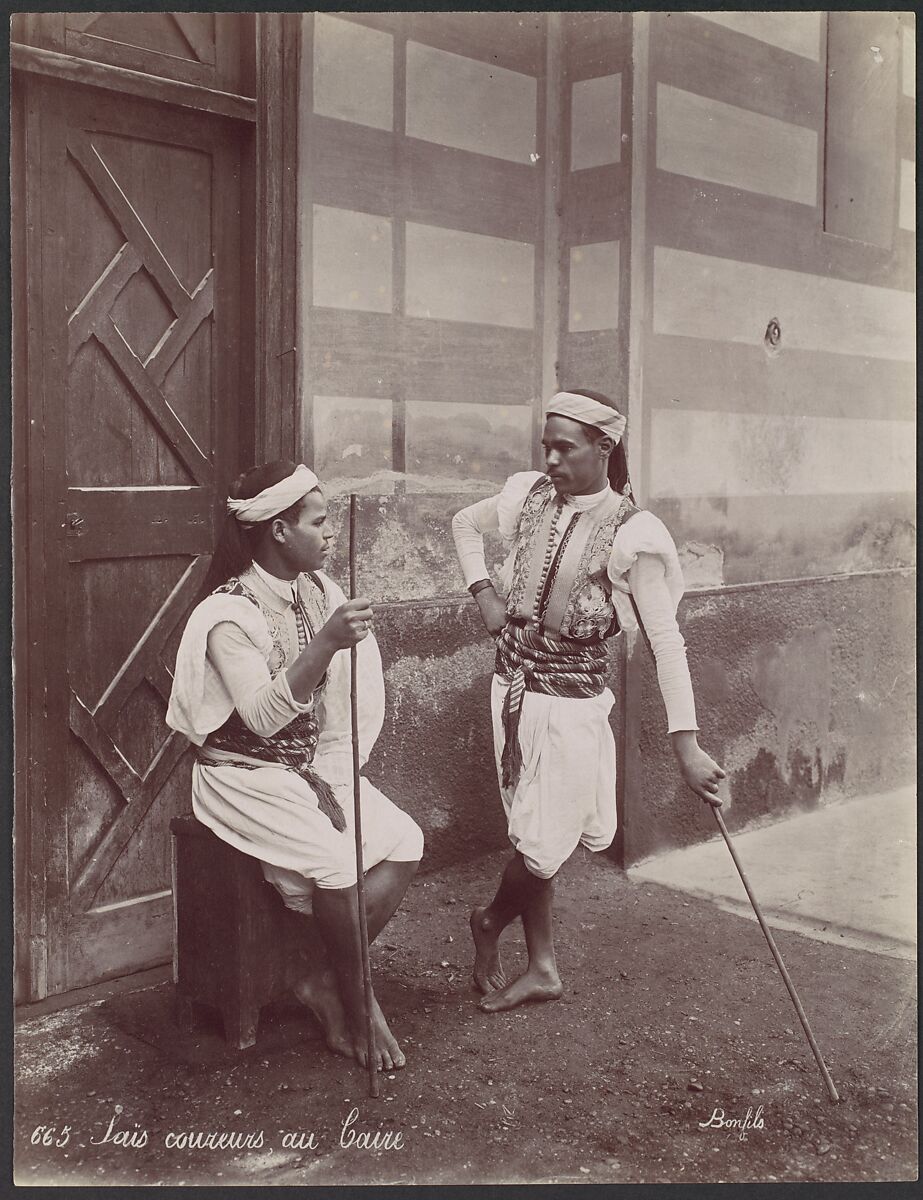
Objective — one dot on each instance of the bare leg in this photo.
(336, 911)
(488, 922)
(385, 885)
(540, 980)
(317, 987)
(311, 978)
(525, 894)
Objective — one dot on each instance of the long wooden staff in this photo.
(786, 979)
(802, 1017)
(360, 874)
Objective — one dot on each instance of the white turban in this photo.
(276, 499)
(590, 412)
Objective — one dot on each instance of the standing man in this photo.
(582, 558)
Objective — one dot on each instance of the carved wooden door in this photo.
(133, 248)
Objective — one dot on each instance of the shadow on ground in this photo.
(673, 1010)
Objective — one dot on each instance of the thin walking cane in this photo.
(802, 1017)
(360, 877)
(786, 979)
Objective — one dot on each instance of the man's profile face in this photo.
(572, 459)
(308, 540)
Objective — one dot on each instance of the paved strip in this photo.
(845, 873)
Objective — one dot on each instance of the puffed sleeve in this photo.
(499, 512)
(511, 500)
(265, 705)
(644, 564)
(200, 700)
(642, 533)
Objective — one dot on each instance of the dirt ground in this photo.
(673, 1010)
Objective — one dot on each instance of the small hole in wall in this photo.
(772, 339)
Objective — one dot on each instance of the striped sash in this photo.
(292, 747)
(531, 661)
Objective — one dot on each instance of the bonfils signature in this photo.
(717, 1120)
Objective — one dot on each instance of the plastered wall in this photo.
(805, 691)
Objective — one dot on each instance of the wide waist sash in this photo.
(531, 661)
(292, 747)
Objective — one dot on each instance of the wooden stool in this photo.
(232, 935)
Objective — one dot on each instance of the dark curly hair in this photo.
(237, 544)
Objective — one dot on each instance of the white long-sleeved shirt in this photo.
(640, 562)
(223, 663)
(265, 705)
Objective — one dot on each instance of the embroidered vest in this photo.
(279, 613)
(566, 592)
(294, 745)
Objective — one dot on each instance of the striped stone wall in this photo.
(594, 202)
(421, 187)
(774, 412)
(778, 359)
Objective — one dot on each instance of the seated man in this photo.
(263, 691)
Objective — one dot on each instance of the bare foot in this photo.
(488, 969)
(319, 993)
(534, 985)
(390, 1056)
